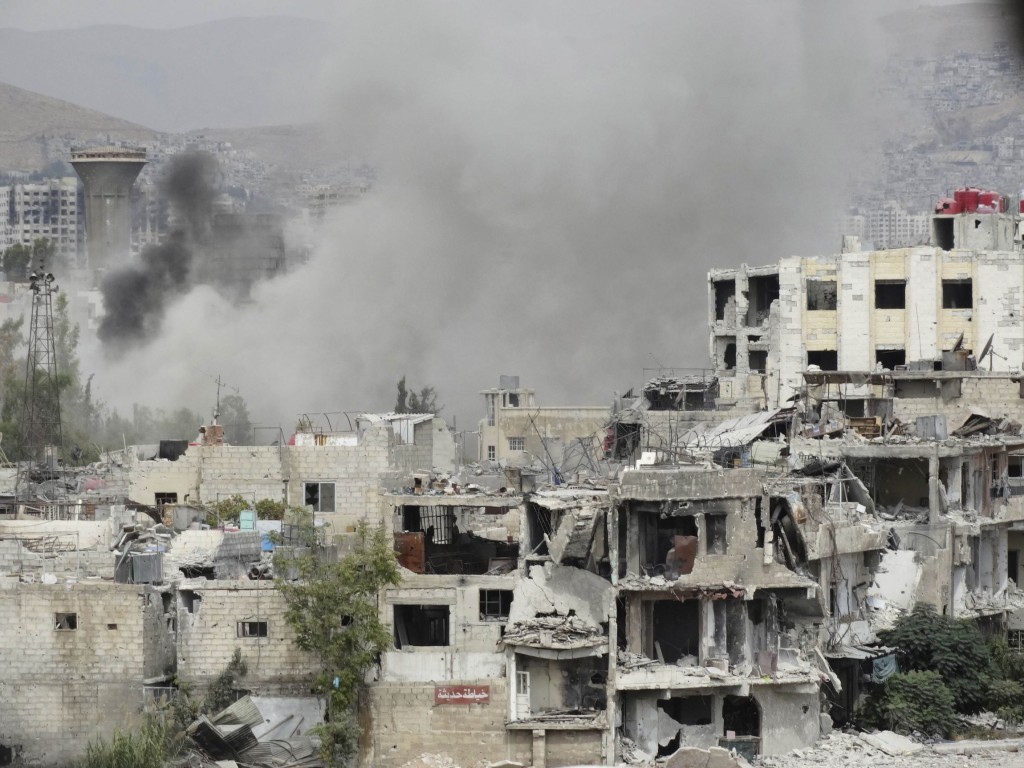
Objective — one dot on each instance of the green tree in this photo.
(234, 415)
(332, 607)
(916, 701)
(412, 402)
(956, 650)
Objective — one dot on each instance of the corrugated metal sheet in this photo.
(242, 712)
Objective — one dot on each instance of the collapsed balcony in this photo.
(556, 645)
(442, 536)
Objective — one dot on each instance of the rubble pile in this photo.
(851, 750)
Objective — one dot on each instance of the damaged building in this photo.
(897, 309)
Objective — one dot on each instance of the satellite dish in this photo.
(959, 342)
(987, 349)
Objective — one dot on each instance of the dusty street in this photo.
(842, 749)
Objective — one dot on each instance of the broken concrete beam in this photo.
(891, 743)
(715, 757)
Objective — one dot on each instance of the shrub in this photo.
(956, 650)
(146, 747)
(916, 701)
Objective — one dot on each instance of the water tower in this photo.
(108, 174)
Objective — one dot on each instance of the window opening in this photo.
(890, 358)
(165, 498)
(66, 621)
(495, 603)
(319, 496)
(517, 443)
(826, 359)
(890, 294)
(821, 295)
(421, 625)
(725, 292)
(716, 530)
(252, 628)
(957, 294)
(491, 453)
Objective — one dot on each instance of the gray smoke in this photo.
(202, 248)
(555, 180)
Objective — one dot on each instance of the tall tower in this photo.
(108, 174)
(41, 433)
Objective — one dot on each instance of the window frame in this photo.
(517, 443)
(492, 603)
(318, 505)
(245, 629)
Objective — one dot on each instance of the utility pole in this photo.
(41, 432)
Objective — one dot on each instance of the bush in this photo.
(146, 747)
(916, 701)
(956, 650)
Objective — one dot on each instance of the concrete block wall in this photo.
(61, 688)
(148, 478)
(405, 723)
(998, 397)
(208, 617)
(355, 471)
(253, 472)
(572, 748)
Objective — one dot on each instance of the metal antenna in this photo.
(41, 432)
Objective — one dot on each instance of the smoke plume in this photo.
(203, 248)
(555, 180)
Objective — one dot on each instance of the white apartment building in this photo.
(861, 310)
(49, 209)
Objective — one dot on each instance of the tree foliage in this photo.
(425, 401)
(915, 701)
(332, 607)
(955, 650)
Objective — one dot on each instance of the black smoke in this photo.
(204, 247)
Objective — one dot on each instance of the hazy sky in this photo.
(62, 14)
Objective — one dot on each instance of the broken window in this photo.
(421, 625)
(517, 443)
(942, 233)
(741, 715)
(890, 358)
(491, 403)
(716, 532)
(890, 294)
(757, 361)
(252, 629)
(495, 603)
(319, 496)
(957, 294)
(165, 498)
(676, 632)
(725, 294)
(826, 359)
(762, 290)
(66, 621)
(729, 356)
(491, 453)
(821, 295)
(512, 399)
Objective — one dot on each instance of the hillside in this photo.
(227, 74)
(28, 116)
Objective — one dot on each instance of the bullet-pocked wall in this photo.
(75, 659)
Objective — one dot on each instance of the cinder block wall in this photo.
(208, 617)
(59, 689)
(406, 724)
